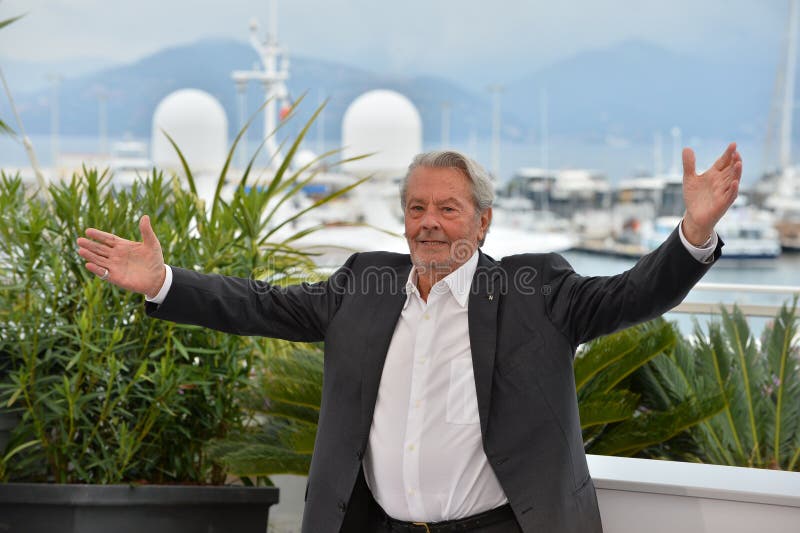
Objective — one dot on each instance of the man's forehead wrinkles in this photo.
(449, 199)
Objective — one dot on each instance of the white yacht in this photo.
(780, 194)
(748, 232)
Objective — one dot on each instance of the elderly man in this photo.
(448, 401)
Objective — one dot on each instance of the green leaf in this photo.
(610, 359)
(635, 434)
(607, 408)
(6, 22)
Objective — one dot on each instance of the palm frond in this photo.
(607, 408)
(782, 358)
(610, 360)
(649, 428)
(260, 460)
(757, 383)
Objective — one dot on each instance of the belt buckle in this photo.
(423, 524)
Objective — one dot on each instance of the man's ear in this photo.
(486, 219)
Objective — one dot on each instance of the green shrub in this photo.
(615, 418)
(757, 380)
(105, 394)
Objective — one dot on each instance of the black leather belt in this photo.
(488, 518)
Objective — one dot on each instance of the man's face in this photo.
(443, 227)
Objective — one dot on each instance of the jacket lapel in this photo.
(385, 307)
(483, 305)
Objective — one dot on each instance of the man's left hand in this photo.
(709, 195)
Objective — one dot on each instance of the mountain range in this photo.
(628, 90)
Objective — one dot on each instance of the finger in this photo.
(95, 269)
(688, 162)
(96, 247)
(730, 184)
(93, 258)
(148, 235)
(733, 191)
(106, 238)
(725, 187)
(737, 170)
(725, 159)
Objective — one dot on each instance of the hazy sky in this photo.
(464, 40)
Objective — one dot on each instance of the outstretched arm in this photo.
(709, 195)
(586, 307)
(131, 265)
(241, 306)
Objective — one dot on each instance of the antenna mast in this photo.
(272, 76)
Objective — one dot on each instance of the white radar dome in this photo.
(197, 123)
(305, 157)
(387, 124)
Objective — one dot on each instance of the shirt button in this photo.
(417, 403)
(411, 492)
(360, 454)
(411, 447)
(342, 506)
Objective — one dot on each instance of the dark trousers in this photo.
(509, 526)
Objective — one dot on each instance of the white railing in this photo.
(713, 308)
(642, 495)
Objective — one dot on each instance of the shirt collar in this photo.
(457, 282)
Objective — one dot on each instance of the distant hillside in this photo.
(634, 88)
(628, 91)
(33, 75)
(136, 89)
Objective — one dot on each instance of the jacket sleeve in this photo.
(585, 307)
(250, 307)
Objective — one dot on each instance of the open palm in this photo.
(131, 265)
(709, 195)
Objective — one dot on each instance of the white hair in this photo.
(482, 187)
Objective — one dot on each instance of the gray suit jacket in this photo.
(527, 315)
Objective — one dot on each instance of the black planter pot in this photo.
(44, 508)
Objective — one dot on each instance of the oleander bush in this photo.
(105, 394)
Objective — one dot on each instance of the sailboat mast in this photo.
(788, 92)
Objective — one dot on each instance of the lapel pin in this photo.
(491, 297)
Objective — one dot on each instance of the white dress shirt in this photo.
(424, 460)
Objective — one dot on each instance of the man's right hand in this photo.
(133, 266)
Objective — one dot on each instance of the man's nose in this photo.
(430, 220)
